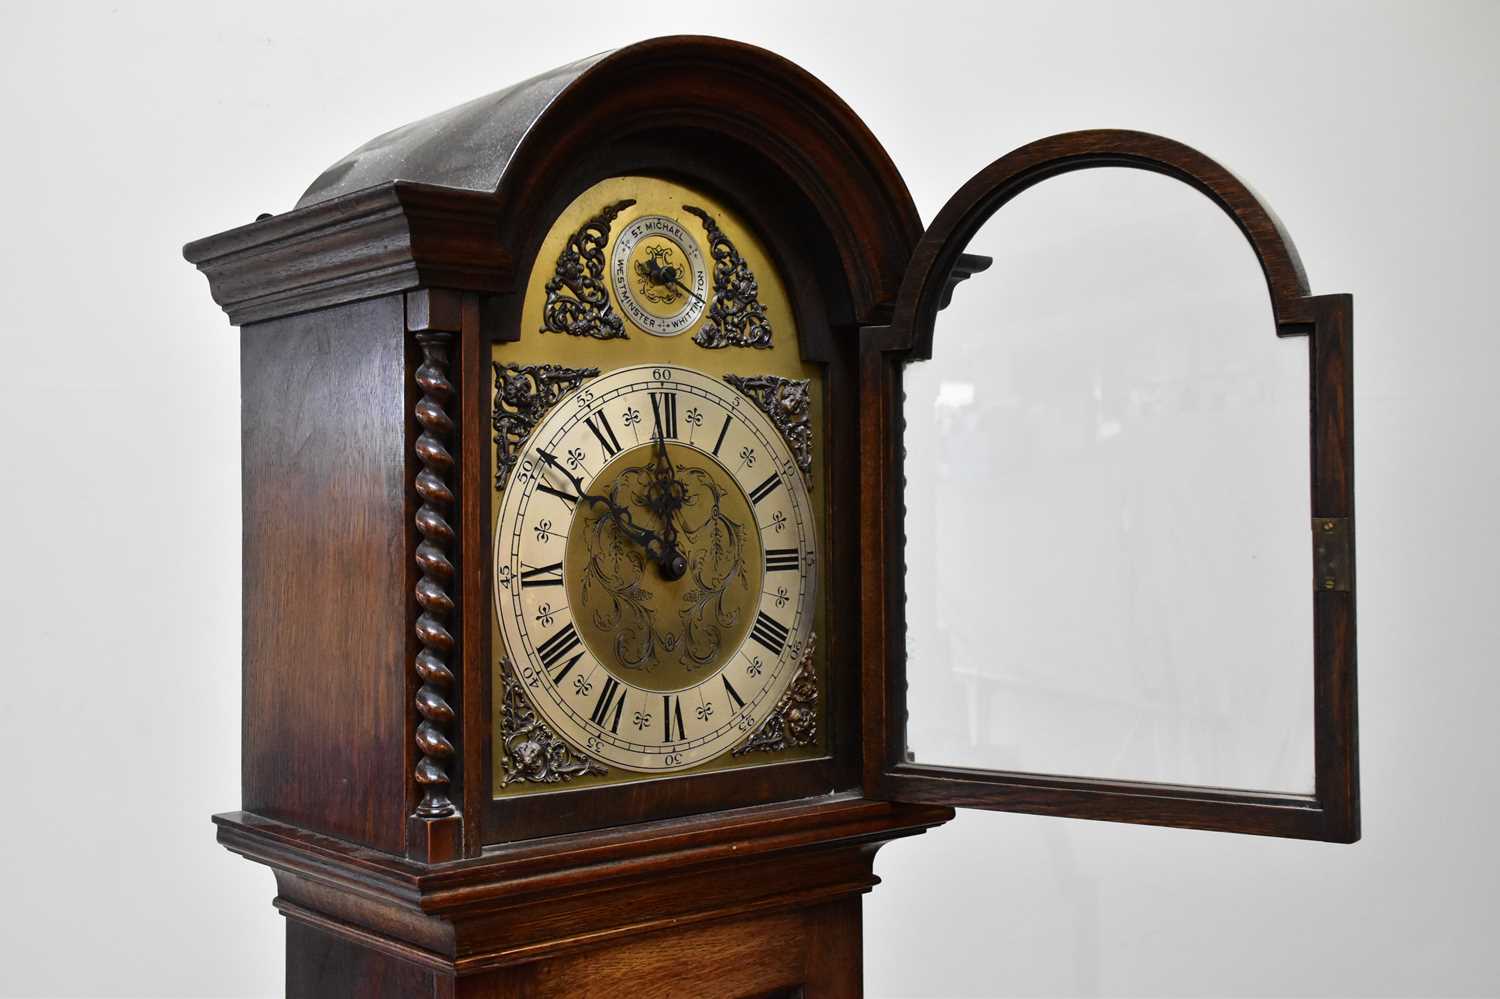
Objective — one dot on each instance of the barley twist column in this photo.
(434, 588)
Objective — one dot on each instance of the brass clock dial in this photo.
(647, 289)
(657, 560)
(657, 272)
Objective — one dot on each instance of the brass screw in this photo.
(1327, 526)
(1329, 582)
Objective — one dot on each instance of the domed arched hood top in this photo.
(466, 147)
(427, 204)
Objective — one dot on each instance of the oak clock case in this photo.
(656, 540)
(575, 538)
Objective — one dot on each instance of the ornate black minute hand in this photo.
(663, 553)
(674, 280)
(667, 495)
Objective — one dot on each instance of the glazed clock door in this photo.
(1108, 565)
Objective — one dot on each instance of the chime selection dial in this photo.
(658, 275)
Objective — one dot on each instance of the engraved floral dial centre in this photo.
(665, 633)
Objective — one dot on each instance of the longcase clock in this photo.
(575, 547)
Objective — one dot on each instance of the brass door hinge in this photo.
(1333, 554)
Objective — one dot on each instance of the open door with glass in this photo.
(1108, 543)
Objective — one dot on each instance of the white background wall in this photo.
(129, 129)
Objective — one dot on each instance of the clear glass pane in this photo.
(1107, 501)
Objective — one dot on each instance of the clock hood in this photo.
(448, 179)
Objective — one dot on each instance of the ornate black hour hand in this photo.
(621, 514)
(657, 549)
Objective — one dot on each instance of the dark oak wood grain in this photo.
(544, 912)
(376, 242)
(323, 965)
(815, 951)
(810, 952)
(326, 616)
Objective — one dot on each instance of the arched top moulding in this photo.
(453, 174)
(939, 257)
